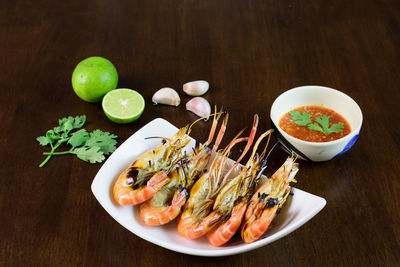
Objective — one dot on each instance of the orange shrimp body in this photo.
(174, 193)
(196, 220)
(155, 212)
(161, 209)
(158, 216)
(260, 225)
(223, 233)
(268, 199)
(192, 228)
(125, 195)
(150, 171)
(192, 223)
(232, 199)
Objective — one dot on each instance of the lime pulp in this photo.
(123, 105)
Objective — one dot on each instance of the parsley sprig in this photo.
(88, 146)
(321, 124)
(300, 118)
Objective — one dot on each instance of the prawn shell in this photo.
(259, 215)
(148, 168)
(224, 232)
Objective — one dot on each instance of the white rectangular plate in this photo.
(298, 209)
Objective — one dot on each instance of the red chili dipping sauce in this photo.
(315, 124)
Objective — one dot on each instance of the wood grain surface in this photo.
(249, 52)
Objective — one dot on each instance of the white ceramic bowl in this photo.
(320, 96)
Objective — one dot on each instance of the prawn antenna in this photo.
(202, 118)
(186, 161)
(158, 137)
(269, 132)
(272, 148)
(184, 172)
(295, 157)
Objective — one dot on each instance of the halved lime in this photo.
(123, 105)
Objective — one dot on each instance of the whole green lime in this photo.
(94, 77)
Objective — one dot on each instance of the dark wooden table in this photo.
(250, 52)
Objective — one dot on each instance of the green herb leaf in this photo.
(43, 140)
(315, 127)
(78, 138)
(336, 127)
(57, 129)
(63, 121)
(69, 123)
(67, 127)
(87, 146)
(321, 124)
(103, 140)
(52, 136)
(92, 154)
(323, 120)
(79, 121)
(300, 118)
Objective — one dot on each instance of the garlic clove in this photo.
(199, 106)
(166, 96)
(196, 88)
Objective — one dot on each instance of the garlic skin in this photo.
(199, 106)
(196, 88)
(167, 96)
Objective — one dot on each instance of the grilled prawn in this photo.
(231, 202)
(149, 172)
(194, 221)
(268, 199)
(166, 204)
